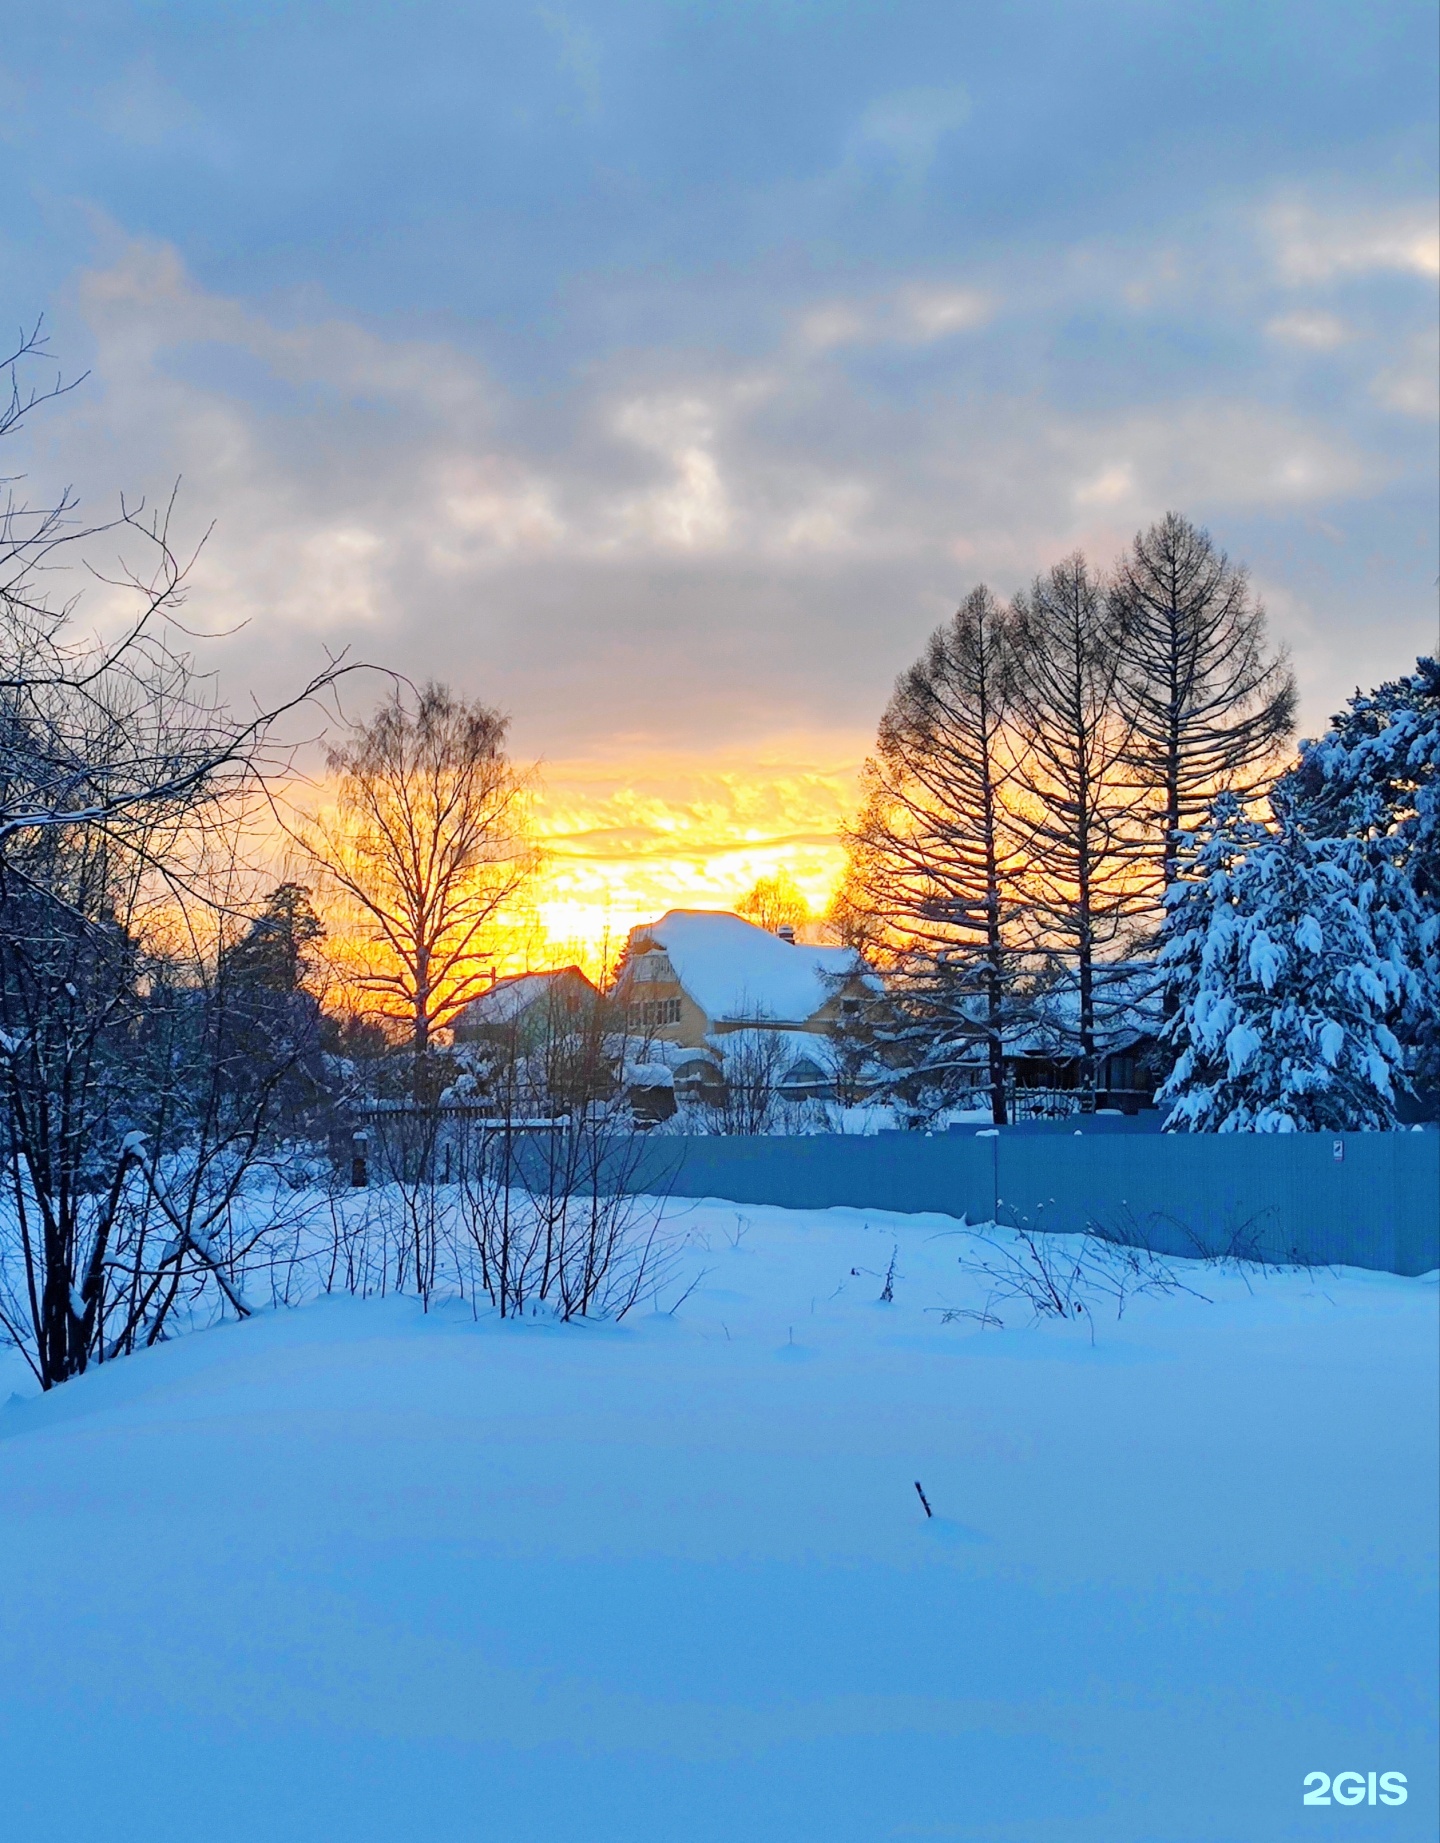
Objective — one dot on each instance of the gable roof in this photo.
(514, 994)
(734, 970)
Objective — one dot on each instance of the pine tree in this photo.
(1285, 966)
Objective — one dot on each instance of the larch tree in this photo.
(933, 860)
(425, 850)
(1208, 704)
(1074, 795)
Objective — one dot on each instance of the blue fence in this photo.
(1353, 1199)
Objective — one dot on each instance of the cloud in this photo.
(1233, 457)
(678, 548)
(905, 129)
(1413, 386)
(689, 831)
(913, 314)
(1318, 332)
(837, 323)
(936, 313)
(1311, 245)
(142, 109)
(579, 54)
(1114, 485)
(691, 509)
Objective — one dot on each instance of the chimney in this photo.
(786, 933)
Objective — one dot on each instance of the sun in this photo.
(625, 841)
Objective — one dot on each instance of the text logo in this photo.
(1355, 1789)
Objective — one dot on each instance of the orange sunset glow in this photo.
(625, 841)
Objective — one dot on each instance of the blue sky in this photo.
(664, 372)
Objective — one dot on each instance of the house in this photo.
(713, 997)
(522, 1008)
(1044, 1072)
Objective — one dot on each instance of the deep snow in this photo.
(350, 1572)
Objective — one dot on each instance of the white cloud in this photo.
(1311, 245)
(1114, 485)
(1413, 386)
(1222, 454)
(1319, 332)
(141, 108)
(936, 313)
(914, 314)
(830, 522)
(691, 510)
(492, 508)
(143, 303)
(836, 324)
(906, 128)
(679, 548)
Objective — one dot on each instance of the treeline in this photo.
(1082, 810)
(1034, 773)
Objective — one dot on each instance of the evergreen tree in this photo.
(267, 1023)
(275, 953)
(1285, 962)
(1375, 778)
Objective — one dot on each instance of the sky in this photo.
(663, 373)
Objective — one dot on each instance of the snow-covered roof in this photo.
(508, 997)
(784, 1051)
(734, 970)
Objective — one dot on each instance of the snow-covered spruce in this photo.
(1288, 960)
(1375, 777)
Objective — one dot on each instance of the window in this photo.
(655, 1013)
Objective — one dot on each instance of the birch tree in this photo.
(425, 849)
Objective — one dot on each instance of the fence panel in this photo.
(1375, 1203)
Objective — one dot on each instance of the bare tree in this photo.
(124, 786)
(120, 735)
(137, 1090)
(775, 902)
(1074, 792)
(935, 855)
(755, 1059)
(426, 849)
(1207, 703)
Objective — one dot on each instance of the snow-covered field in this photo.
(352, 1572)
